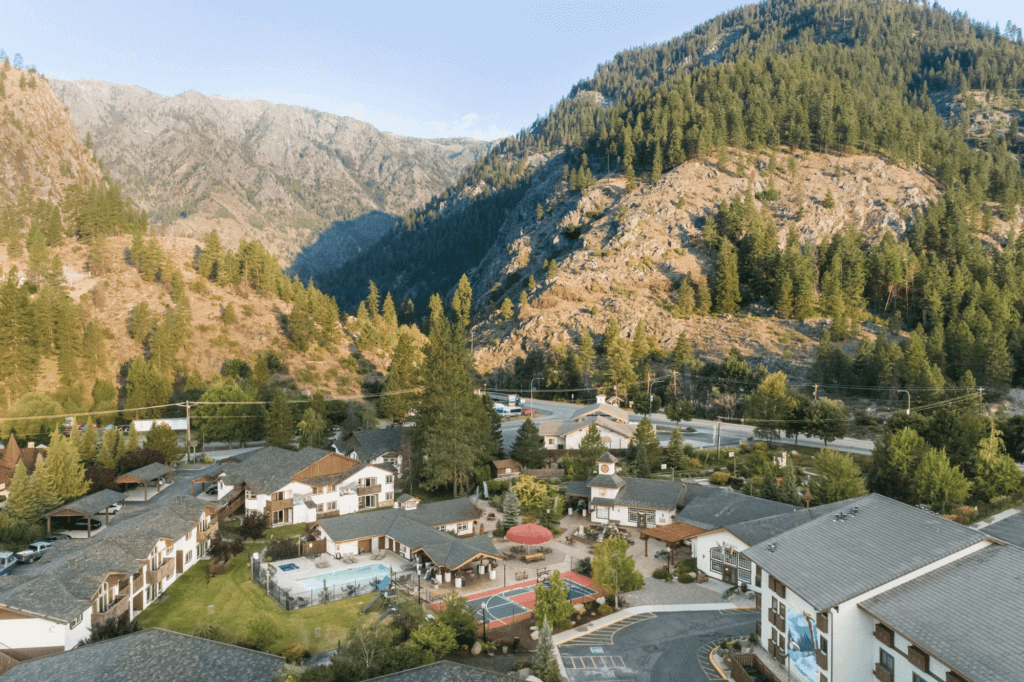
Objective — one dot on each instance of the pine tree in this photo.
(210, 258)
(87, 444)
(645, 448)
(280, 430)
(540, 212)
(228, 316)
(788, 492)
(656, 163)
(131, 443)
(65, 469)
(44, 493)
(545, 664)
(462, 302)
(727, 280)
(510, 510)
(676, 451)
(21, 504)
(528, 448)
(506, 309)
(585, 356)
(641, 344)
(403, 377)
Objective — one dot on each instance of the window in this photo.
(188, 557)
(201, 549)
(885, 659)
(464, 526)
(250, 495)
(188, 535)
(716, 560)
(75, 622)
(782, 610)
(389, 479)
(332, 505)
(106, 596)
(389, 495)
(602, 512)
(823, 645)
(918, 678)
(320, 508)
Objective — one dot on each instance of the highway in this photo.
(703, 436)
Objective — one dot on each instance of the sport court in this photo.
(505, 605)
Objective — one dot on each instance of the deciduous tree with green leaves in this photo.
(614, 569)
(552, 602)
(838, 477)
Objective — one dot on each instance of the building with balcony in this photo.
(875, 589)
(303, 486)
(391, 445)
(54, 604)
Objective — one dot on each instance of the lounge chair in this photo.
(322, 561)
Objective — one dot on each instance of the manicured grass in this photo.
(236, 599)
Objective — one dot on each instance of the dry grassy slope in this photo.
(111, 298)
(629, 270)
(39, 146)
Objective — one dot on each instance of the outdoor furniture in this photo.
(530, 558)
(702, 577)
(522, 575)
(349, 560)
(322, 562)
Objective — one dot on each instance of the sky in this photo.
(441, 69)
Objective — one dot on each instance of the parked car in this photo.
(83, 524)
(57, 536)
(212, 490)
(34, 552)
(114, 508)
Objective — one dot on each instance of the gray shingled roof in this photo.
(445, 671)
(828, 561)
(150, 472)
(759, 530)
(607, 458)
(1010, 530)
(92, 504)
(579, 488)
(269, 469)
(650, 493)
(962, 613)
(416, 530)
(372, 443)
(66, 579)
(152, 655)
(725, 506)
(612, 411)
(606, 481)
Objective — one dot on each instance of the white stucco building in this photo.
(635, 502)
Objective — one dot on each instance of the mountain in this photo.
(254, 170)
(784, 169)
(41, 150)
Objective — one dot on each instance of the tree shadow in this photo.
(340, 242)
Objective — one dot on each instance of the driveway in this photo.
(654, 647)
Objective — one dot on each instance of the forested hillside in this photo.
(101, 315)
(780, 116)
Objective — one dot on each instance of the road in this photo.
(659, 647)
(702, 437)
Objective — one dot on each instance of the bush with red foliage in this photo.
(136, 459)
(100, 478)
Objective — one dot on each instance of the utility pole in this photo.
(815, 392)
(188, 431)
(718, 438)
(674, 394)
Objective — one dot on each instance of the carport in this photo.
(673, 535)
(88, 506)
(146, 475)
(211, 477)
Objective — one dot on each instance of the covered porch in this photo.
(161, 474)
(675, 536)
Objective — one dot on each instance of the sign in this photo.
(732, 454)
(596, 650)
(664, 466)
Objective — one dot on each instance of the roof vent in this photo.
(771, 547)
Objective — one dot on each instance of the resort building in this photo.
(303, 486)
(635, 502)
(612, 423)
(391, 445)
(879, 590)
(54, 604)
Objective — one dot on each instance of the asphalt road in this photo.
(703, 436)
(663, 647)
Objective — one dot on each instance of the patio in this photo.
(296, 581)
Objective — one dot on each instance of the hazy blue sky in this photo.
(481, 69)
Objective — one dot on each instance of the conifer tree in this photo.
(645, 448)
(545, 664)
(403, 377)
(65, 469)
(583, 465)
(510, 510)
(44, 492)
(540, 212)
(280, 429)
(727, 280)
(528, 448)
(87, 444)
(585, 356)
(462, 302)
(506, 309)
(21, 504)
(676, 451)
(131, 443)
(641, 344)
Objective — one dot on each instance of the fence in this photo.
(297, 599)
(545, 473)
(741, 661)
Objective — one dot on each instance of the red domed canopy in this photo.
(529, 534)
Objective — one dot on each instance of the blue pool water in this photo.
(349, 576)
(288, 567)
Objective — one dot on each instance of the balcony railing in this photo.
(882, 674)
(883, 635)
(277, 505)
(115, 609)
(368, 490)
(205, 535)
(164, 570)
(822, 658)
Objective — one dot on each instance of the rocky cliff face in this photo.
(39, 148)
(255, 170)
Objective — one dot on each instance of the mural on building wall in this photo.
(802, 634)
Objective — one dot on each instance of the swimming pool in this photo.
(349, 576)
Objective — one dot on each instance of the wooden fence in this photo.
(740, 661)
(544, 473)
(315, 548)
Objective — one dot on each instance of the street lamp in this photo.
(908, 398)
(531, 390)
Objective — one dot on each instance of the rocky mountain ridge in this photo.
(251, 169)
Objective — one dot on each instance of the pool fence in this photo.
(297, 598)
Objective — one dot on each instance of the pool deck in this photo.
(307, 569)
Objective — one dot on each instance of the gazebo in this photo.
(145, 475)
(88, 506)
(673, 535)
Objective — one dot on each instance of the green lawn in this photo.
(236, 599)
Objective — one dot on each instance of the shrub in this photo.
(736, 645)
(662, 574)
(583, 567)
(111, 629)
(689, 565)
(261, 632)
(282, 548)
(604, 609)
(211, 631)
(521, 663)
(294, 653)
(720, 478)
(685, 578)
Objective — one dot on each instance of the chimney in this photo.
(30, 445)
(600, 400)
